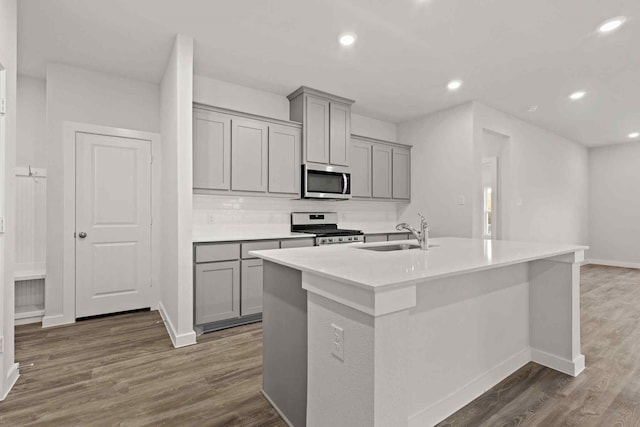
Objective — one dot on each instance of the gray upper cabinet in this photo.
(245, 154)
(401, 173)
(340, 134)
(249, 151)
(284, 159)
(316, 130)
(211, 150)
(382, 166)
(326, 123)
(360, 168)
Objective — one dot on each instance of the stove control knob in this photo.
(339, 239)
(349, 239)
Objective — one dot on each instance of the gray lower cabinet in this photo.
(217, 291)
(401, 173)
(228, 281)
(381, 170)
(373, 238)
(399, 236)
(251, 287)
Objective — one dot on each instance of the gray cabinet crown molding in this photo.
(319, 93)
(380, 141)
(242, 114)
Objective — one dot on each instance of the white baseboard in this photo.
(611, 263)
(27, 320)
(274, 406)
(57, 320)
(438, 411)
(178, 340)
(569, 367)
(12, 377)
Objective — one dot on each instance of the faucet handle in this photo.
(423, 221)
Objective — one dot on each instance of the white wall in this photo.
(31, 143)
(222, 94)
(545, 197)
(8, 61)
(78, 95)
(374, 128)
(214, 215)
(176, 101)
(546, 193)
(614, 209)
(441, 172)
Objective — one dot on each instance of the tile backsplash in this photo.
(212, 214)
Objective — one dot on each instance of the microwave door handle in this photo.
(344, 183)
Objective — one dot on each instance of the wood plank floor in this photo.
(123, 371)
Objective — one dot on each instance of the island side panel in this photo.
(368, 387)
(284, 351)
(466, 334)
(555, 314)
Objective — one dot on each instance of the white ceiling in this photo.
(511, 54)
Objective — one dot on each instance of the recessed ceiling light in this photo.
(633, 135)
(612, 24)
(577, 95)
(347, 39)
(454, 84)
(533, 108)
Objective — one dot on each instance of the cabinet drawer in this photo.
(217, 252)
(297, 243)
(400, 236)
(372, 238)
(258, 246)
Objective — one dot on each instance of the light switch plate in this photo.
(461, 200)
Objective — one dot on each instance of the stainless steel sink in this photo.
(388, 248)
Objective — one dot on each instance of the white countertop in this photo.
(236, 236)
(351, 264)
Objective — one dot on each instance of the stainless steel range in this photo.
(325, 226)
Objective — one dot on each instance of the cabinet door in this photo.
(401, 173)
(360, 168)
(211, 150)
(340, 134)
(284, 159)
(251, 287)
(217, 294)
(399, 236)
(372, 238)
(316, 129)
(249, 151)
(381, 182)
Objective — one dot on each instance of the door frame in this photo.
(69, 222)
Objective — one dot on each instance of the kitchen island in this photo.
(361, 337)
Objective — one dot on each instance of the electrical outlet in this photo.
(1, 225)
(1, 344)
(461, 200)
(210, 218)
(337, 345)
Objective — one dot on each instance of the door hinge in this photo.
(151, 159)
(3, 106)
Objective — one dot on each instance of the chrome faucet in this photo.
(422, 236)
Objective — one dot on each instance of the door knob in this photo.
(82, 235)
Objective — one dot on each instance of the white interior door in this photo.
(113, 224)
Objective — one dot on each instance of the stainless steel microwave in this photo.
(325, 182)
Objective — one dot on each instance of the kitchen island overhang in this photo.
(424, 332)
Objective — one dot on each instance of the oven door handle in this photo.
(344, 183)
